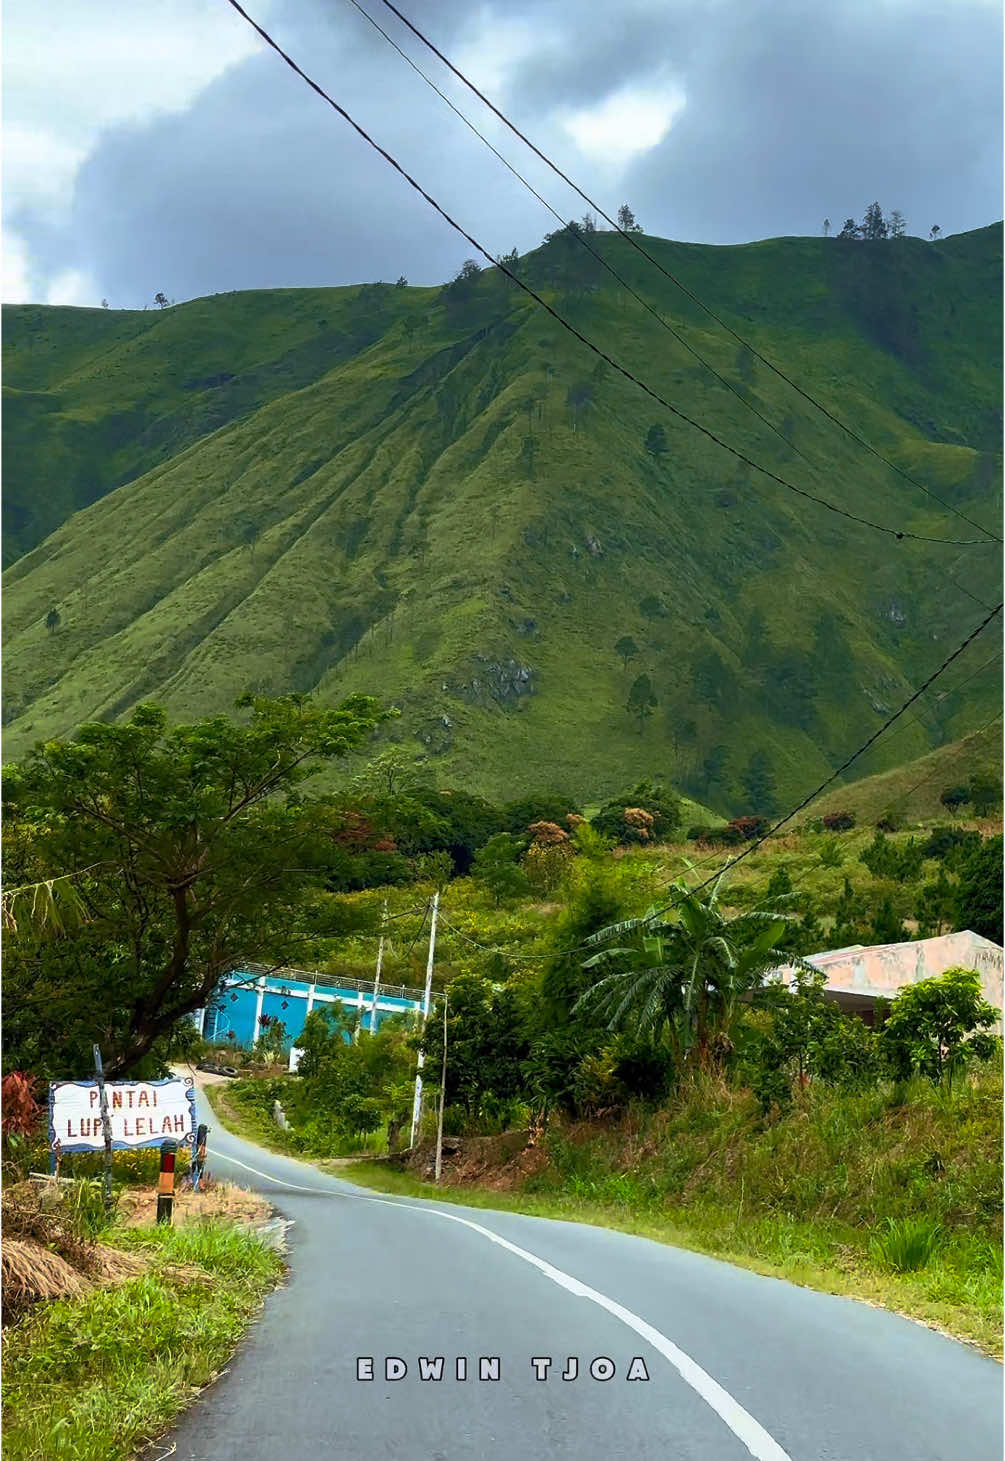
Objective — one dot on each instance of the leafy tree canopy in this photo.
(192, 849)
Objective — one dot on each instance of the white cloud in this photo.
(72, 286)
(625, 125)
(16, 275)
(71, 70)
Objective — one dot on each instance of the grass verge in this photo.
(96, 1377)
(954, 1294)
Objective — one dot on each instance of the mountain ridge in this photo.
(458, 513)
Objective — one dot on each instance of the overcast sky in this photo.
(158, 146)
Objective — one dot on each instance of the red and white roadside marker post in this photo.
(165, 1186)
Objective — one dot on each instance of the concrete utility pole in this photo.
(417, 1102)
(443, 1093)
(380, 962)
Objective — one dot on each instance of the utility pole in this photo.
(443, 1093)
(417, 1101)
(380, 962)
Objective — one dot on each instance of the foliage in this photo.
(662, 817)
(21, 1110)
(496, 866)
(938, 1026)
(487, 1044)
(193, 848)
(979, 896)
(839, 821)
(224, 411)
(119, 1363)
(984, 793)
(683, 977)
(906, 1244)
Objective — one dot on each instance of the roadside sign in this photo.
(142, 1113)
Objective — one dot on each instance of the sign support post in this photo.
(106, 1127)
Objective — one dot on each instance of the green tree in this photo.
(898, 224)
(886, 927)
(874, 225)
(52, 620)
(937, 1026)
(626, 648)
(979, 893)
(192, 849)
(955, 797)
(656, 442)
(652, 607)
(626, 220)
(758, 781)
(641, 700)
(850, 229)
(486, 1044)
(713, 768)
(323, 1027)
(686, 976)
(497, 867)
(984, 793)
(714, 682)
(272, 1038)
(935, 906)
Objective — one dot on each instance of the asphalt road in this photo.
(737, 1364)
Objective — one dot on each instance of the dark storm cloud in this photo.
(792, 112)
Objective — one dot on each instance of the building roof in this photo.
(878, 971)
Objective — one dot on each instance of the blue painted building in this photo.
(245, 995)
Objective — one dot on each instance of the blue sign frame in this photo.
(119, 1146)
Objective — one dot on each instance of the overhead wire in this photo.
(783, 821)
(581, 237)
(640, 248)
(891, 720)
(567, 325)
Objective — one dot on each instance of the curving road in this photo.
(738, 1365)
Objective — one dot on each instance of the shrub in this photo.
(955, 797)
(743, 829)
(839, 821)
(906, 1244)
(943, 842)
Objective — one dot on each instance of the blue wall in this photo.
(233, 1008)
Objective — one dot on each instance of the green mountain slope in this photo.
(443, 498)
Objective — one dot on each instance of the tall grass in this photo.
(906, 1244)
(94, 1378)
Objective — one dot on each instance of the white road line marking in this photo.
(743, 1425)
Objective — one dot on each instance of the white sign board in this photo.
(143, 1113)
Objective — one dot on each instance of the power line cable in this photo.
(938, 770)
(581, 237)
(771, 831)
(567, 325)
(633, 240)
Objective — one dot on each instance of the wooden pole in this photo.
(443, 1095)
(106, 1127)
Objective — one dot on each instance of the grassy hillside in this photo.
(443, 498)
(913, 791)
